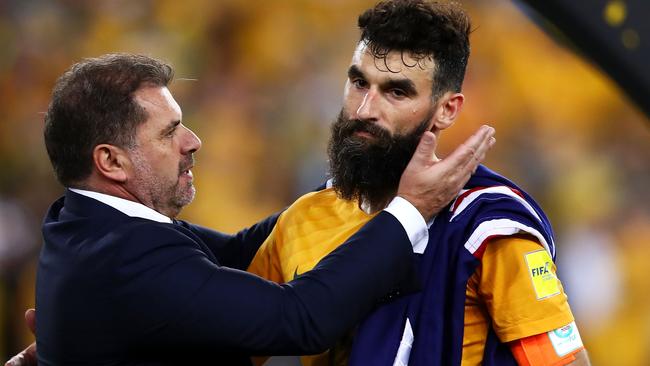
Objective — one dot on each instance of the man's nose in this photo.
(191, 143)
(367, 110)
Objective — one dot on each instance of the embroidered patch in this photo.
(540, 268)
(565, 339)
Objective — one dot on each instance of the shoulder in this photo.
(112, 242)
(320, 205)
(123, 230)
(92, 255)
(492, 206)
(488, 193)
(136, 236)
(490, 197)
(322, 197)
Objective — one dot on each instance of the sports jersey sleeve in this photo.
(520, 288)
(266, 262)
(556, 348)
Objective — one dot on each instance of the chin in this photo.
(188, 196)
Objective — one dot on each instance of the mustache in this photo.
(186, 164)
(350, 126)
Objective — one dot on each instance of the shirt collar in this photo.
(129, 208)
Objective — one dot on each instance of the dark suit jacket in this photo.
(119, 290)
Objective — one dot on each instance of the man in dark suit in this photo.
(120, 281)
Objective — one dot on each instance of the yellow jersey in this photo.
(318, 222)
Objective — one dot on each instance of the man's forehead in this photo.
(394, 61)
(156, 98)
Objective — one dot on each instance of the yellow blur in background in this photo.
(260, 82)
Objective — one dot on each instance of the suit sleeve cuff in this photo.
(412, 221)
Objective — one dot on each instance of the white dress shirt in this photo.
(129, 208)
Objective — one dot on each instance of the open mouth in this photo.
(364, 134)
(187, 172)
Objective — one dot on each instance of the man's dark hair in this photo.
(422, 29)
(92, 103)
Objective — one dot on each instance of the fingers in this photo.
(28, 356)
(30, 320)
(17, 360)
(25, 358)
(425, 152)
(472, 152)
(479, 153)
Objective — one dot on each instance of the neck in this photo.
(372, 206)
(116, 189)
(109, 189)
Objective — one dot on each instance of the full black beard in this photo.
(369, 170)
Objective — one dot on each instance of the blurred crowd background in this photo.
(261, 81)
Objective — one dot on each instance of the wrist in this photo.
(412, 221)
(424, 211)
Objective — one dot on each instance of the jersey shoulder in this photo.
(323, 208)
(492, 206)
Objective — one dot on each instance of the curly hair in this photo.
(92, 103)
(422, 29)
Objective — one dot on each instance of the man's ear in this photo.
(447, 109)
(111, 162)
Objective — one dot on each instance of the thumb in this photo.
(30, 320)
(425, 152)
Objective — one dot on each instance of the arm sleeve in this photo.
(186, 301)
(266, 262)
(235, 251)
(519, 285)
(412, 221)
(540, 350)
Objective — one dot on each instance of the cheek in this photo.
(405, 122)
(399, 118)
(351, 99)
(161, 160)
(411, 115)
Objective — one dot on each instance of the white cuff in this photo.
(412, 221)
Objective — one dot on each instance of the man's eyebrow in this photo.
(354, 72)
(406, 85)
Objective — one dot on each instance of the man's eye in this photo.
(397, 93)
(359, 83)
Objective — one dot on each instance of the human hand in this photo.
(28, 356)
(429, 183)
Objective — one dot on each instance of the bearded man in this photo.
(489, 294)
